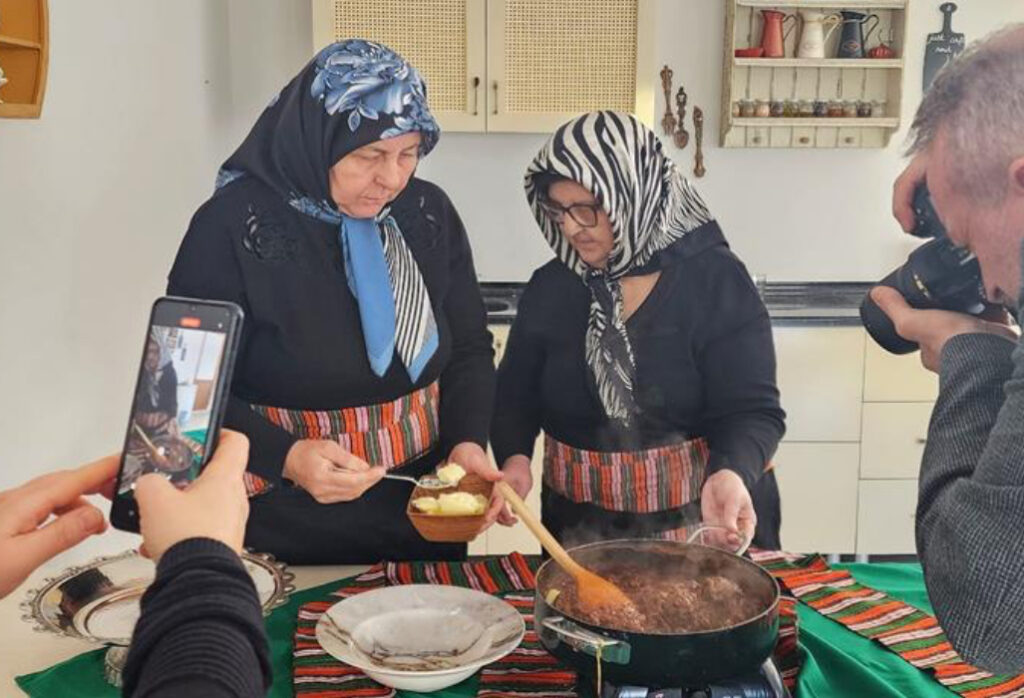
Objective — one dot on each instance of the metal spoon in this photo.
(427, 482)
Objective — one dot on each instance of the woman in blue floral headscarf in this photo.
(365, 346)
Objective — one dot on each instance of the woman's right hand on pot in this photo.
(516, 473)
(328, 472)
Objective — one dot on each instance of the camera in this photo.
(938, 274)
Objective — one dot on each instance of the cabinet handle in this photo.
(756, 139)
(849, 140)
(805, 140)
(495, 112)
(476, 95)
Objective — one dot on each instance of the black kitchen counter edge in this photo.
(817, 303)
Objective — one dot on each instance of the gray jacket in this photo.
(970, 513)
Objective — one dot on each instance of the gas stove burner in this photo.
(767, 683)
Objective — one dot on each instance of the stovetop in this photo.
(767, 683)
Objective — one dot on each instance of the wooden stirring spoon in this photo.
(594, 592)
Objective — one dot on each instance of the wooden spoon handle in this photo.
(554, 548)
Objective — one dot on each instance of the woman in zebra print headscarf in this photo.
(642, 351)
(365, 345)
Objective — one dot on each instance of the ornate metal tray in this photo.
(99, 601)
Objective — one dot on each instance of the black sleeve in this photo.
(467, 382)
(168, 393)
(516, 409)
(201, 629)
(206, 267)
(742, 419)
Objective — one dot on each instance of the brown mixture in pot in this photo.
(668, 604)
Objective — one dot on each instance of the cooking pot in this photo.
(683, 659)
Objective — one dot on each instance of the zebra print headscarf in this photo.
(651, 205)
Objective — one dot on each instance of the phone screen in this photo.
(178, 394)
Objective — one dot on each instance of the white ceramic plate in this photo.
(420, 637)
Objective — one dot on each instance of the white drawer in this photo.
(885, 517)
(820, 378)
(818, 487)
(892, 378)
(893, 439)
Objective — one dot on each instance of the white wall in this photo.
(147, 97)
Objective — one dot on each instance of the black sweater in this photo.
(705, 362)
(201, 629)
(302, 344)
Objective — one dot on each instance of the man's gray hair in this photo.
(977, 102)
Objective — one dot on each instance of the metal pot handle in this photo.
(713, 527)
(587, 641)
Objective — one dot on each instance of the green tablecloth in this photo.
(838, 663)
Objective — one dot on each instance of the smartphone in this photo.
(182, 389)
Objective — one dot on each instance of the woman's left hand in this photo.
(725, 501)
(474, 459)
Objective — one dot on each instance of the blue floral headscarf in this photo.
(355, 92)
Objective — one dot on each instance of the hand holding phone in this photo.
(180, 394)
(214, 506)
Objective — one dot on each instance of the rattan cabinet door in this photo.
(550, 60)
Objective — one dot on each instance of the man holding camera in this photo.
(969, 147)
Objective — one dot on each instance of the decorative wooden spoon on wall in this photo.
(698, 132)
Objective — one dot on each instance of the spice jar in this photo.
(820, 108)
(864, 109)
(850, 110)
(746, 108)
(879, 107)
(835, 109)
(762, 108)
(778, 108)
(806, 109)
(790, 109)
(735, 109)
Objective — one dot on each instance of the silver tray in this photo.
(99, 601)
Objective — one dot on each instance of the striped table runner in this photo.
(909, 632)
(528, 671)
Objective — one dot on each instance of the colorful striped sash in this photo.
(909, 632)
(390, 434)
(527, 671)
(643, 482)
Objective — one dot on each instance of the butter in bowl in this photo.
(453, 515)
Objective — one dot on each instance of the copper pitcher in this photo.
(775, 33)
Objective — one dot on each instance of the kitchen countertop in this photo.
(812, 303)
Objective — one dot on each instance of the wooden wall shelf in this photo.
(24, 57)
(750, 84)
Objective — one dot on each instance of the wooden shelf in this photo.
(25, 61)
(824, 4)
(858, 63)
(866, 122)
(18, 43)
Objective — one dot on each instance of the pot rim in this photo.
(771, 609)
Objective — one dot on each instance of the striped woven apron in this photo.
(389, 434)
(639, 482)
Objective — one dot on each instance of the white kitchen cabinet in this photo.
(818, 488)
(892, 378)
(885, 517)
(511, 65)
(893, 439)
(820, 376)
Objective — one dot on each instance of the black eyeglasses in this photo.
(584, 214)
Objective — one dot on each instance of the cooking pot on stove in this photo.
(686, 659)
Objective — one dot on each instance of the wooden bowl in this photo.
(449, 529)
(755, 52)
